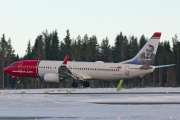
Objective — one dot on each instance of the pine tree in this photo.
(55, 46)
(76, 49)
(105, 51)
(168, 75)
(28, 55)
(93, 49)
(142, 41)
(38, 51)
(47, 44)
(84, 47)
(125, 49)
(9, 58)
(176, 60)
(62, 50)
(65, 46)
(134, 46)
(118, 48)
(3, 45)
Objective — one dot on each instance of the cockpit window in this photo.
(12, 65)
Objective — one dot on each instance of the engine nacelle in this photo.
(52, 77)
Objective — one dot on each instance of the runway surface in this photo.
(75, 104)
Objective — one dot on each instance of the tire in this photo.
(86, 84)
(74, 84)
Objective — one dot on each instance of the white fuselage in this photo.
(95, 70)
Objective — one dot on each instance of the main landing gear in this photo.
(86, 84)
(75, 84)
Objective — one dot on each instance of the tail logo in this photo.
(147, 54)
(147, 57)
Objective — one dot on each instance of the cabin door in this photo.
(20, 66)
(127, 70)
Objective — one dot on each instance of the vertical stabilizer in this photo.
(147, 54)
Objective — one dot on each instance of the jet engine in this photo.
(52, 77)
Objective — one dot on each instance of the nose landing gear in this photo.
(19, 81)
(75, 84)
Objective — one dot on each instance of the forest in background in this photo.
(48, 46)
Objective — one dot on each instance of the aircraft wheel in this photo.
(74, 84)
(86, 84)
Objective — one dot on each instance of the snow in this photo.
(35, 104)
(93, 90)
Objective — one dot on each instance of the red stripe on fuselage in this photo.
(25, 68)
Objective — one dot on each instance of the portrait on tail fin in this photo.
(147, 57)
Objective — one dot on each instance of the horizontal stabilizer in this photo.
(161, 66)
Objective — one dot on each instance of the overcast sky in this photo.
(23, 20)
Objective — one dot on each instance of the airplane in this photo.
(56, 71)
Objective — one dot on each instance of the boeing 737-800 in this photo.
(56, 71)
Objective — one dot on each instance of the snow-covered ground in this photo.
(93, 90)
(81, 106)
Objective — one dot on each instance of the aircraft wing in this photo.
(65, 72)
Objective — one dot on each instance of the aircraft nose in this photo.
(6, 70)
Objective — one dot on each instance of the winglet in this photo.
(65, 60)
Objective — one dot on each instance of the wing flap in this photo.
(83, 76)
(70, 74)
